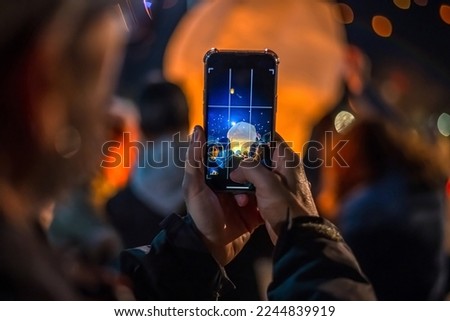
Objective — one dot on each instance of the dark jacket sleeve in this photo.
(176, 266)
(312, 262)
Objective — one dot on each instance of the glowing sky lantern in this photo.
(305, 34)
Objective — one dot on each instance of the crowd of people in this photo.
(165, 235)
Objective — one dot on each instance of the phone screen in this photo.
(240, 104)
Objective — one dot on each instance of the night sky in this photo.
(239, 98)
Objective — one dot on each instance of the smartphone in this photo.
(240, 95)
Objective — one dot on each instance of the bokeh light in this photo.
(344, 13)
(382, 26)
(403, 4)
(444, 11)
(148, 8)
(167, 4)
(443, 124)
(343, 120)
(421, 3)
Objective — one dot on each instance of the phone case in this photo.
(239, 112)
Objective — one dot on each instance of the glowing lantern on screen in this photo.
(241, 135)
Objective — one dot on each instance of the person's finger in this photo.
(287, 163)
(193, 169)
(278, 137)
(273, 236)
(251, 170)
(194, 156)
(290, 167)
(199, 144)
(251, 215)
(241, 199)
(284, 156)
(190, 163)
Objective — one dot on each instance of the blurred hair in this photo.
(23, 23)
(163, 109)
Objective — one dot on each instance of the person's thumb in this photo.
(252, 171)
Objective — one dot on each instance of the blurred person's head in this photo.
(59, 60)
(164, 109)
(376, 147)
(390, 71)
(164, 125)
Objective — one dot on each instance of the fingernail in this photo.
(196, 134)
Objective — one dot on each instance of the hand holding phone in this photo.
(239, 112)
(212, 211)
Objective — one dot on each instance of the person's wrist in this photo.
(279, 222)
(314, 226)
